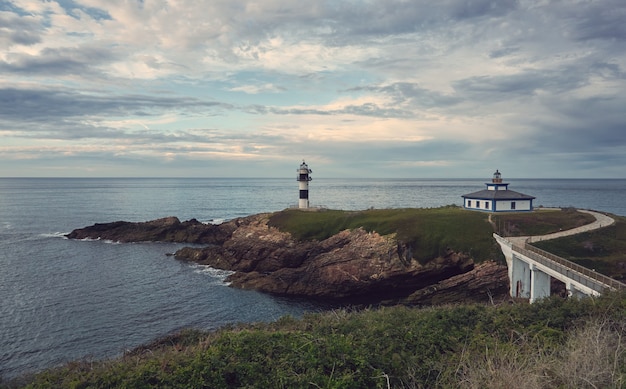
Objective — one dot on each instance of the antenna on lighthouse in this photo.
(303, 184)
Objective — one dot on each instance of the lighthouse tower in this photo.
(303, 184)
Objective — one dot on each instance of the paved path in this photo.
(602, 220)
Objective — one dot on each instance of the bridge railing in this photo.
(580, 274)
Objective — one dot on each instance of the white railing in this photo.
(584, 276)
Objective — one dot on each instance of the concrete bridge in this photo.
(530, 268)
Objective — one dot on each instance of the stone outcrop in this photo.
(486, 282)
(351, 266)
(168, 229)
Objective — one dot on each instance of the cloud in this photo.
(402, 87)
(63, 61)
(597, 20)
(256, 89)
(413, 94)
(45, 104)
(18, 30)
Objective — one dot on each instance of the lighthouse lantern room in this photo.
(303, 184)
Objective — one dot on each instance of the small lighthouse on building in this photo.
(303, 184)
(497, 197)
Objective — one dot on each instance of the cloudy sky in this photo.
(358, 88)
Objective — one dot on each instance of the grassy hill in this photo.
(603, 250)
(539, 222)
(431, 231)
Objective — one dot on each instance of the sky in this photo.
(357, 88)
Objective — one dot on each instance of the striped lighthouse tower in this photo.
(303, 184)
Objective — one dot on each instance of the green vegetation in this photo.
(427, 232)
(539, 222)
(430, 232)
(603, 250)
(554, 343)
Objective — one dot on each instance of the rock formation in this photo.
(168, 229)
(486, 282)
(350, 266)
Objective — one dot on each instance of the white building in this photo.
(498, 198)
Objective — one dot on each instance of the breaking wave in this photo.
(217, 274)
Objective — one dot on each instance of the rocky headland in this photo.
(353, 265)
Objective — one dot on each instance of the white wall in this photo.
(520, 205)
(501, 205)
(482, 207)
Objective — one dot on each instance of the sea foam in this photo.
(55, 235)
(217, 274)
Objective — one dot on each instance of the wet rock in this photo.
(168, 229)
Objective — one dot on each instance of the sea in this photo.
(63, 300)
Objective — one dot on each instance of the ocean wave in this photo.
(218, 274)
(215, 221)
(55, 235)
(109, 241)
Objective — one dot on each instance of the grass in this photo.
(539, 222)
(554, 343)
(430, 232)
(427, 232)
(603, 250)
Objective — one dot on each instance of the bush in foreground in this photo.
(550, 344)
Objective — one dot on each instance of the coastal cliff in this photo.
(352, 265)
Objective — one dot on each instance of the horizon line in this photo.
(315, 178)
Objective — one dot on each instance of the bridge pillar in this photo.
(527, 281)
(539, 285)
(572, 292)
(520, 278)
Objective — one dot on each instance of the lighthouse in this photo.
(303, 184)
(497, 197)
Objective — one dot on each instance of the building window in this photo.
(512, 204)
(469, 203)
(477, 204)
(486, 204)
